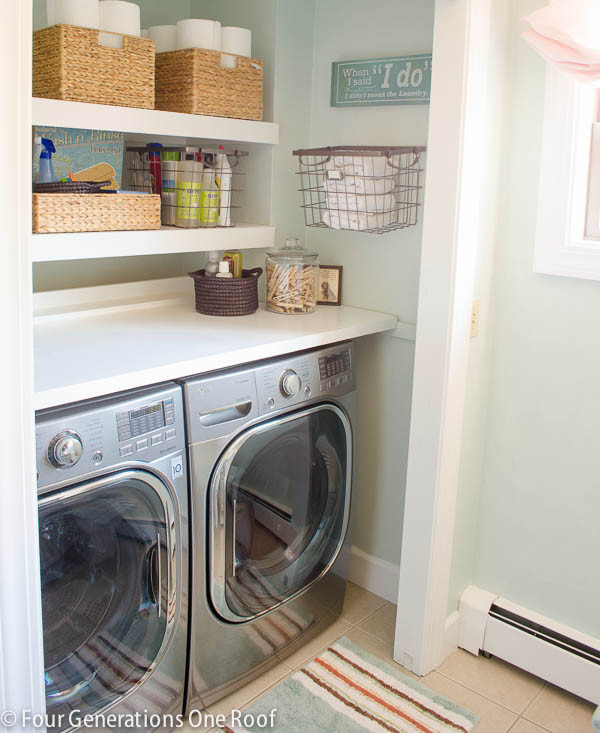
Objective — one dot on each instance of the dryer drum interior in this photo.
(284, 489)
(106, 588)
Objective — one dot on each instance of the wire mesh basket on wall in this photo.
(360, 188)
(197, 186)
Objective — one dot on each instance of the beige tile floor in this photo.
(504, 697)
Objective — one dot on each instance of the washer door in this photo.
(108, 551)
(279, 508)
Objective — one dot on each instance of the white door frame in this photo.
(21, 645)
(456, 165)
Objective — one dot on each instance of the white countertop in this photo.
(112, 343)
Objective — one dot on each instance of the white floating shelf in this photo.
(167, 240)
(151, 122)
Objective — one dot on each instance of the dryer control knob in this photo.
(65, 449)
(290, 383)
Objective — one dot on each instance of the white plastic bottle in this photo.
(224, 269)
(223, 180)
(211, 268)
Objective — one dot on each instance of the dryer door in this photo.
(108, 550)
(280, 502)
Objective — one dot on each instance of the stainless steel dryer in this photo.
(270, 461)
(113, 529)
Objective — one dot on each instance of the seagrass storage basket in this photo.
(70, 63)
(216, 296)
(89, 212)
(194, 81)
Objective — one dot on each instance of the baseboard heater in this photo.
(555, 652)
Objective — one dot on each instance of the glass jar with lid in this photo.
(292, 278)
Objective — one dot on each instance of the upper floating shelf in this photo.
(151, 122)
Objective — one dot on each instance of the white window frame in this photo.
(561, 247)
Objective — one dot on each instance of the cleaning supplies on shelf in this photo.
(223, 179)
(92, 155)
(46, 174)
(234, 257)
(224, 270)
(212, 264)
(209, 200)
(189, 194)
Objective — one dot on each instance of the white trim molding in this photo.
(465, 97)
(376, 575)
(21, 641)
(561, 247)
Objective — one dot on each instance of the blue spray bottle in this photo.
(46, 174)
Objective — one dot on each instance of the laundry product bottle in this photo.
(234, 257)
(189, 194)
(209, 200)
(224, 270)
(212, 265)
(46, 174)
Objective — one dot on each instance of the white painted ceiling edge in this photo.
(21, 645)
(457, 158)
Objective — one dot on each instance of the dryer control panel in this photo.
(299, 378)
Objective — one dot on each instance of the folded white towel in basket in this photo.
(376, 166)
(374, 203)
(358, 222)
(351, 185)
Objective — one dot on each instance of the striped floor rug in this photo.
(347, 690)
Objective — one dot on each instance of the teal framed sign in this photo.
(393, 80)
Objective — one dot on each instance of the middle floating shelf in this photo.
(166, 240)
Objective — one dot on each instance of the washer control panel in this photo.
(144, 425)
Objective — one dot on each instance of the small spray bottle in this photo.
(46, 174)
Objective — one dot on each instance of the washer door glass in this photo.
(108, 568)
(280, 501)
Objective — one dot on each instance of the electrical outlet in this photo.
(475, 317)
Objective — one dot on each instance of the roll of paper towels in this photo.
(84, 13)
(118, 16)
(235, 40)
(164, 37)
(198, 33)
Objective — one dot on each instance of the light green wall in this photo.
(538, 542)
(380, 272)
(299, 41)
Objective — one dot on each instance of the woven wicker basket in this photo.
(194, 81)
(219, 296)
(100, 212)
(69, 63)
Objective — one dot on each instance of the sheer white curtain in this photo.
(566, 33)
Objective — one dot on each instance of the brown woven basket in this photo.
(193, 81)
(94, 212)
(69, 63)
(220, 296)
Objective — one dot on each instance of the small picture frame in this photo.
(329, 285)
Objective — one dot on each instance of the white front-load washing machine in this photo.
(270, 459)
(113, 529)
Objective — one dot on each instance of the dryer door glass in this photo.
(108, 568)
(281, 501)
